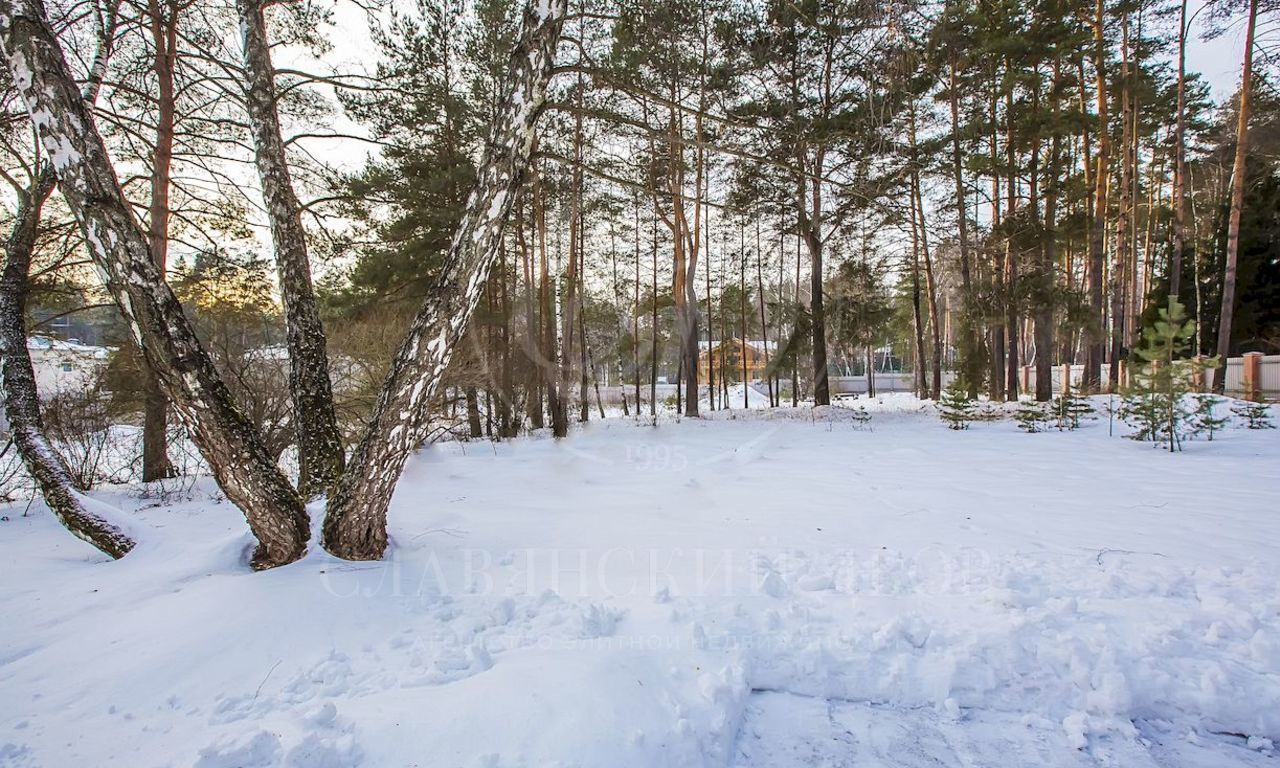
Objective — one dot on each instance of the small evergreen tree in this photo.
(860, 417)
(1031, 416)
(988, 411)
(1070, 408)
(1155, 401)
(1205, 419)
(1254, 415)
(955, 407)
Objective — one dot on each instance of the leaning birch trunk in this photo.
(355, 526)
(320, 455)
(119, 248)
(18, 380)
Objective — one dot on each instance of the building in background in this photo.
(727, 357)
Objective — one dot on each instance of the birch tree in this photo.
(320, 453)
(17, 376)
(355, 526)
(119, 248)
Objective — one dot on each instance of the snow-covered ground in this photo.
(749, 396)
(752, 590)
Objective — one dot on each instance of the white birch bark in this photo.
(119, 248)
(355, 526)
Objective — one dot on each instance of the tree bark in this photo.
(971, 362)
(653, 336)
(635, 308)
(922, 386)
(320, 453)
(585, 367)
(621, 325)
(931, 287)
(1124, 214)
(506, 419)
(742, 309)
(1096, 331)
(764, 323)
(21, 402)
(474, 429)
(533, 335)
(164, 36)
(711, 324)
(995, 330)
(685, 260)
(1238, 169)
(1043, 330)
(1012, 319)
(809, 224)
(355, 526)
(1179, 162)
(546, 307)
(569, 306)
(244, 469)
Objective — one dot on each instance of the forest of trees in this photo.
(561, 203)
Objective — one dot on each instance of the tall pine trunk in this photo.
(1043, 320)
(164, 33)
(922, 387)
(931, 287)
(620, 320)
(1012, 314)
(548, 365)
(1179, 162)
(971, 361)
(569, 306)
(764, 323)
(531, 337)
(1096, 331)
(1124, 214)
(1238, 170)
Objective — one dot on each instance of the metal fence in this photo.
(1267, 385)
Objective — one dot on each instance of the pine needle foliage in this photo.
(955, 407)
(1155, 401)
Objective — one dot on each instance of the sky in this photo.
(1218, 60)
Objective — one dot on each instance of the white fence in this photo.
(1268, 375)
(1267, 385)
(883, 382)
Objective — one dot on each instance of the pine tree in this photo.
(1155, 401)
(411, 197)
(1031, 416)
(860, 417)
(1205, 419)
(1070, 408)
(1254, 415)
(956, 407)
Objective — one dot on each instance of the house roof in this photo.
(49, 344)
(759, 345)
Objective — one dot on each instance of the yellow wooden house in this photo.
(728, 354)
